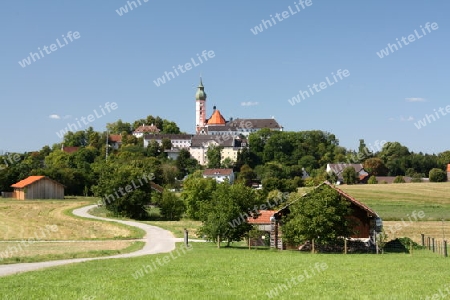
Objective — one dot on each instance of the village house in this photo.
(145, 129)
(220, 175)
(339, 168)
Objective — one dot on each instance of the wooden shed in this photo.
(38, 187)
(366, 222)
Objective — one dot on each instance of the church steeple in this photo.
(200, 95)
(200, 107)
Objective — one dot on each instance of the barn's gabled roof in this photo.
(263, 217)
(342, 193)
(29, 180)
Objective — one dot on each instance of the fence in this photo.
(437, 246)
(7, 194)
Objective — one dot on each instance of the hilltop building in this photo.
(217, 124)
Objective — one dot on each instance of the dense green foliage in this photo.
(320, 215)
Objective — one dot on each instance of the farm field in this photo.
(52, 220)
(205, 272)
(397, 201)
(43, 230)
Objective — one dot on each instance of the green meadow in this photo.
(205, 272)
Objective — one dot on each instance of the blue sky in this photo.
(118, 58)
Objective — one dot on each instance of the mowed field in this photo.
(397, 201)
(42, 230)
(396, 204)
(205, 272)
(34, 219)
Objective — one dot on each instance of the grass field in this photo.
(397, 201)
(35, 219)
(43, 230)
(205, 272)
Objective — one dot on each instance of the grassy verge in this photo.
(66, 250)
(205, 272)
(177, 227)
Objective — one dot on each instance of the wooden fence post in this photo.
(445, 249)
(423, 239)
(432, 243)
(345, 246)
(186, 237)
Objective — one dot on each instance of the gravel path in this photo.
(157, 240)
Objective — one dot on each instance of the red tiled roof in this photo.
(222, 172)
(70, 149)
(147, 128)
(27, 181)
(263, 218)
(216, 118)
(115, 138)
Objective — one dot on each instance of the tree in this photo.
(363, 151)
(124, 186)
(227, 163)
(213, 155)
(321, 216)
(224, 216)
(119, 127)
(172, 207)
(395, 157)
(375, 166)
(197, 191)
(185, 163)
(246, 175)
(332, 177)
(437, 175)
(349, 175)
(169, 127)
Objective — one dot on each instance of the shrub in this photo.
(399, 179)
(437, 175)
(372, 180)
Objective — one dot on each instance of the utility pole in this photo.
(107, 144)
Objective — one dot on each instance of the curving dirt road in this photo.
(157, 240)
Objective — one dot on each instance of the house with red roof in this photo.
(38, 187)
(366, 221)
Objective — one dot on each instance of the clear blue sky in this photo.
(118, 58)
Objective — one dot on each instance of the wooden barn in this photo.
(367, 221)
(38, 187)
